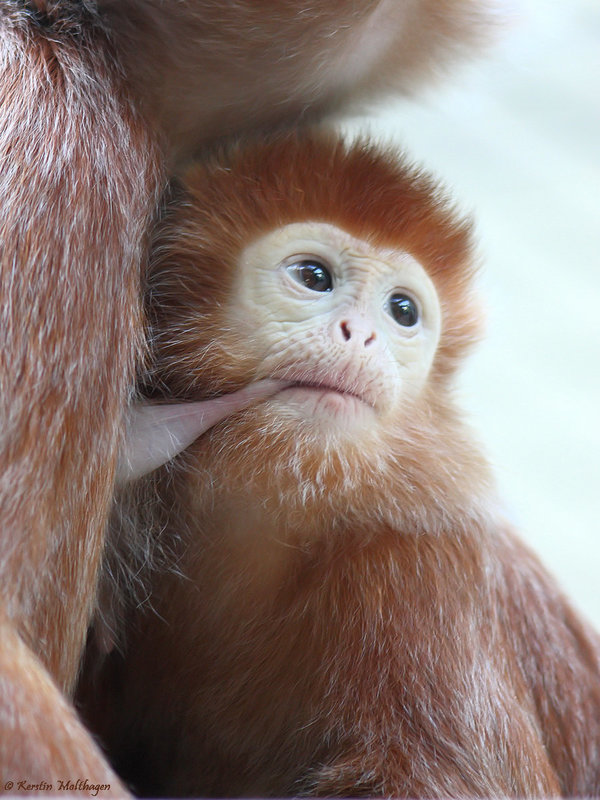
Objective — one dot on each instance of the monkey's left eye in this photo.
(404, 310)
(312, 274)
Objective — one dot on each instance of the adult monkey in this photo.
(95, 100)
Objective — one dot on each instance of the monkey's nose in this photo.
(356, 330)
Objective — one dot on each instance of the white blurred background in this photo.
(516, 136)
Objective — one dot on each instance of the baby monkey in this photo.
(350, 614)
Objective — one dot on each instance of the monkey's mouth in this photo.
(345, 381)
(327, 388)
(314, 394)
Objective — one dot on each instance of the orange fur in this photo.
(78, 192)
(41, 740)
(208, 68)
(344, 618)
(86, 92)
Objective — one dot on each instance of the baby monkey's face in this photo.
(353, 327)
(336, 275)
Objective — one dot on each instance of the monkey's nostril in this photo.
(347, 333)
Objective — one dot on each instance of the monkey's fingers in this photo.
(157, 433)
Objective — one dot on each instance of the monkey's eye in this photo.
(404, 310)
(312, 274)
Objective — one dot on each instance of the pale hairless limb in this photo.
(157, 433)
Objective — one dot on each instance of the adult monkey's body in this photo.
(231, 67)
(94, 100)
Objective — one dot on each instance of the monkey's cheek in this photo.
(325, 408)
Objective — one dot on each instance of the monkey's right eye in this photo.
(312, 274)
(404, 310)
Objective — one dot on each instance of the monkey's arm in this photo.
(41, 739)
(545, 693)
(559, 658)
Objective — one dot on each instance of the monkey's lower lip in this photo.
(323, 390)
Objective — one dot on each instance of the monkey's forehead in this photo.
(367, 189)
(318, 232)
(331, 242)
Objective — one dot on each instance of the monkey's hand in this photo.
(156, 433)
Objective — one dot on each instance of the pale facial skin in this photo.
(354, 327)
(344, 332)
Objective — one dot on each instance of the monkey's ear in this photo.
(157, 433)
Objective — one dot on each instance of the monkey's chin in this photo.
(324, 405)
